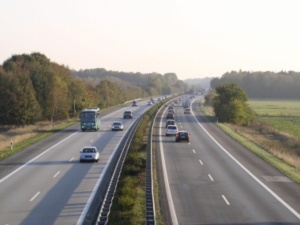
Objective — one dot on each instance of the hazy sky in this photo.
(192, 38)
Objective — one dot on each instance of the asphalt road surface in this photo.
(214, 180)
(46, 184)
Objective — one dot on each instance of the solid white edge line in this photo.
(166, 179)
(38, 156)
(251, 174)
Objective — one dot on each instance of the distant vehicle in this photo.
(171, 111)
(171, 107)
(170, 116)
(149, 103)
(171, 130)
(89, 153)
(134, 103)
(117, 125)
(170, 122)
(182, 136)
(187, 111)
(90, 119)
(127, 115)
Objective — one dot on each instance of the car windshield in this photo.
(117, 123)
(172, 127)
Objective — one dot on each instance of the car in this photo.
(134, 103)
(89, 153)
(171, 111)
(187, 111)
(170, 116)
(127, 114)
(171, 107)
(170, 122)
(182, 136)
(117, 125)
(171, 130)
(149, 103)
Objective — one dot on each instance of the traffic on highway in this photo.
(55, 180)
(212, 179)
(205, 176)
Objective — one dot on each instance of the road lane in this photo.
(53, 187)
(218, 190)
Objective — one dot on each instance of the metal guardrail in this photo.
(150, 206)
(99, 211)
(103, 215)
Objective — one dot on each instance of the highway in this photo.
(45, 184)
(214, 180)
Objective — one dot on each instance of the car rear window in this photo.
(88, 150)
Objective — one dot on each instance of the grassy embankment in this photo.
(129, 205)
(274, 136)
(14, 139)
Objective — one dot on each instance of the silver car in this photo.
(171, 130)
(89, 153)
(117, 125)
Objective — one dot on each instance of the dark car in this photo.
(182, 136)
(134, 103)
(170, 116)
(127, 115)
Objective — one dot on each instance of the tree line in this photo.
(151, 83)
(267, 85)
(32, 89)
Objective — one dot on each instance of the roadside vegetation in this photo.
(129, 204)
(273, 135)
(34, 89)
(14, 139)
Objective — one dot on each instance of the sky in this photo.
(192, 38)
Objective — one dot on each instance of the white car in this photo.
(89, 153)
(187, 111)
(171, 130)
(117, 125)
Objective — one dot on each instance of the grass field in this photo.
(283, 115)
(276, 107)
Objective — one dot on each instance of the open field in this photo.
(276, 107)
(283, 115)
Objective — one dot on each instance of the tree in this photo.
(230, 105)
(18, 105)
